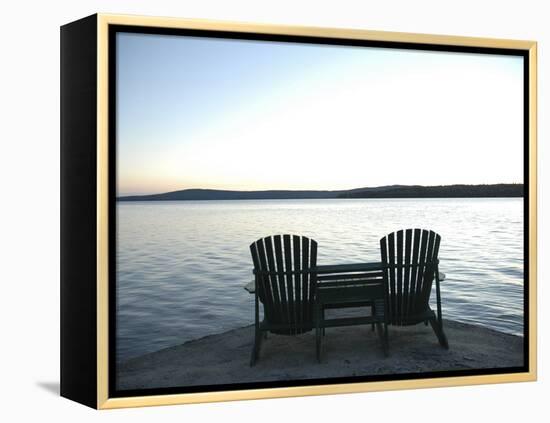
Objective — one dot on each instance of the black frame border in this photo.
(235, 35)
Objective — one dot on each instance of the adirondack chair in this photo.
(412, 265)
(284, 285)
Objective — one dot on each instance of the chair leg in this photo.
(383, 335)
(386, 338)
(256, 347)
(318, 314)
(318, 344)
(257, 331)
(253, 355)
(324, 332)
(438, 329)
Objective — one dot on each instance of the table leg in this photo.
(318, 315)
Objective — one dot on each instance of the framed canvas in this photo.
(259, 211)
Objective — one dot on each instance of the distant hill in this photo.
(439, 191)
(390, 191)
(214, 194)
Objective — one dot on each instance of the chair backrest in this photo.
(411, 256)
(284, 283)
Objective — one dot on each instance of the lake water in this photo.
(181, 266)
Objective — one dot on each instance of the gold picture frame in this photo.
(91, 385)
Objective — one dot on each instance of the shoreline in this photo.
(499, 190)
(123, 200)
(347, 351)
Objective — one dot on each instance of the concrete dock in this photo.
(347, 351)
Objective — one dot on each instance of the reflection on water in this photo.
(181, 266)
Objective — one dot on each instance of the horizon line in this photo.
(310, 190)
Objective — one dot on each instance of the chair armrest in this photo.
(250, 287)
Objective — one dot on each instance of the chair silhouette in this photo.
(411, 257)
(284, 285)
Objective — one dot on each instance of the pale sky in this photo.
(252, 115)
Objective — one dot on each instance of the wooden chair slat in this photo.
(306, 311)
(429, 269)
(384, 257)
(297, 280)
(414, 271)
(264, 291)
(312, 277)
(407, 275)
(391, 280)
(399, 276)
(289, 282)
(421, 271)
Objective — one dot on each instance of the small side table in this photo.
(351, 285)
